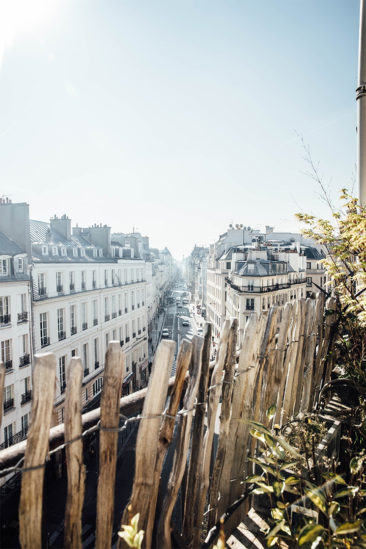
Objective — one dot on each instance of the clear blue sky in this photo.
(176, 118)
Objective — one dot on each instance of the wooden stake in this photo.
(147, 438)
(194, 469)
(167, 429)
(181, 450)
(74, 456)
(31, 496)
(109, 419)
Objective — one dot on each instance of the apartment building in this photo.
(15, 351)
(197, 275)
(315, 273)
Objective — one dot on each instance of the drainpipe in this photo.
(361, 99)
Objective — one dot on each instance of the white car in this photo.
(165, 333)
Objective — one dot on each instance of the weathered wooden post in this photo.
(108, 439)
(31, 495)
(147, 438)
(181, 450)
(74, 456)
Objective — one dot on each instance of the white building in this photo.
(15, 343)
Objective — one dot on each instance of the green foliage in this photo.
(311, 504)
(131, 534)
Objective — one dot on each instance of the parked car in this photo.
(200, 331)
(165, 333)
(185, 323)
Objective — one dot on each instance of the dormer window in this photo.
(44, 250)
(19, 265)
(54, 250)
(82, 252)
(95, 252)
(4, 267)
(100, 252)
(75, 252)
(63, 251)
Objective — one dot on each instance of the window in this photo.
(309, 280)
(62, 372)
(250, 304)
(59, 284)
(9, 432)
(44, 250)
(72, 280)
(6, 353)
(74, 352)
(25, 424)
(95, 312)
(75, 252)
(308, 264)
(20, 265)
(23, 303)
(83, 280)
(106, 309)
(94, 283)
(250, 285)
(25, 344)
(95, 252)
(54, 250)
(5, 310)
(228, 265)
(84, 315)
(4, 267)
(96, 353)
(43, 325)
(114, 310)
(61, 324)
(73, 319)
(100, 252)
(41, 284)
(105, 277)
(85, 359)
(97, 386)
(63, 251)
(82, 252)
(106, 341)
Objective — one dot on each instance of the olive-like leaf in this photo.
(348, 527)
(311, 533)
(271, 412)
(317, 497)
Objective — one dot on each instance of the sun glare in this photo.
(21, 18)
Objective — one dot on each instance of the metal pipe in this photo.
(361, 111)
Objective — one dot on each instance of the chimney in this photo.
(100, 236)
(62, 225)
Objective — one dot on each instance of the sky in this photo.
(177, 118)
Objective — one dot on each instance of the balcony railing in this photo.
(24, 360)
(85, 326)
(23, 317)
(86, 372)
(107, 317)
(60, 289)
(26, 397)
(45, 341)
(72, 287)
(264, 289)
(8, 365)
(96, 364)
(61, 336)
(5, 319)
(8, 404)
(95, 322)
(18, 437)
(114, 315)
(73, 330)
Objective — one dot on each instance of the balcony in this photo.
(119, 312)
(83, 286)
(45, 341)
(60, 289)
(26, 397)
(22, 317)
(61, 336)
(5, 320)
(95, 322)
(18, 437)
(86, 372)
(114, 315)
(8, 404)
(107, 317)
(73, 330)
(8, 365)
(121, 343)
(24, 360)
(84, 326)
(96, 364)
(72, 287)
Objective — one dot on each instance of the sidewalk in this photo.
(154, 336)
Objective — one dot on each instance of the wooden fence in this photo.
(283, 360)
